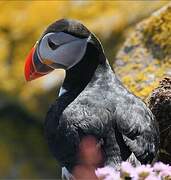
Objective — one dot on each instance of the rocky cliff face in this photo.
(143, 61)
(145, 57)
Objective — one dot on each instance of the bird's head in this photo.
(62, 45)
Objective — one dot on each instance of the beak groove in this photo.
(34, 68)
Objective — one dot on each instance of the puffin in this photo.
(92, 102)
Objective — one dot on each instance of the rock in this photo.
(160, 105)
(145, 57)
(142, 62)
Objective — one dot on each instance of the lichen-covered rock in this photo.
(145, 57)
(160, 105)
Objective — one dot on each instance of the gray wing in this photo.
(92, 117)
(139, 129)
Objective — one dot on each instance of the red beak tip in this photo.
(28, 65)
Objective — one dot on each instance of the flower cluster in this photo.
(158, 171)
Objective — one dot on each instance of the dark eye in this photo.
(52, 45)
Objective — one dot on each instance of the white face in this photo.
(61, 49)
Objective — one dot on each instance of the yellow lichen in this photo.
(147, 54)
(158, 33)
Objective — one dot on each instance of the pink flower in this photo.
(147, 172)
(159, 166)
(126, 166)
(153, 177)
(127, 170)
(165, 173)
(107, 173)
(144, 171)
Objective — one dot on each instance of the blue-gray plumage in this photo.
(94, 102)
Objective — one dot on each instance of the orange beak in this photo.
(34, 68)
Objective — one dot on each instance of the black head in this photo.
(71, 27)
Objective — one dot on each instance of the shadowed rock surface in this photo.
(160, 105)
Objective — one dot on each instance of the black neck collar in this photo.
(80, 75)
